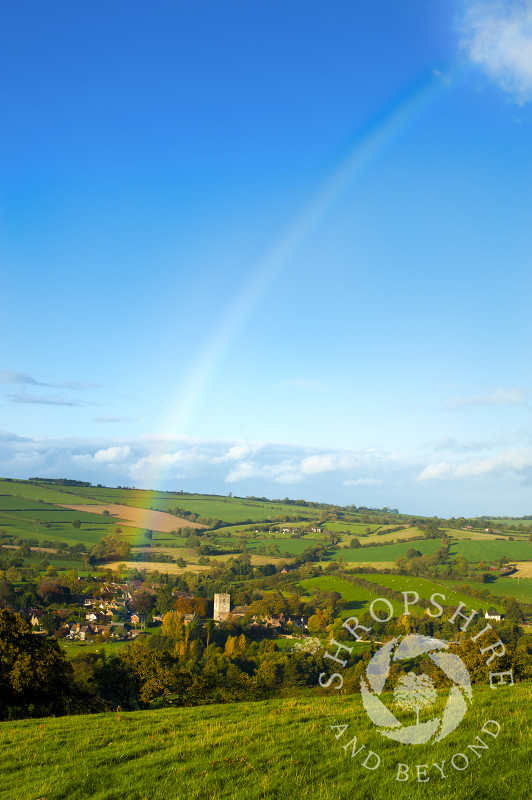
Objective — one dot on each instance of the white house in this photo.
(492, 614)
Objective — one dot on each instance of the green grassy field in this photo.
(229, 509)
(492, 550)
(272, 750)
(426, 588)
(520, 590)
(74, 649)
(294, 546)
(49, 494)
(354, 528)
(388, 552)
(358, 598)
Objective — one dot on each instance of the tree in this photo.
(76, 523)
(142, 602)
(7, 593)
(35, 674)
(110, 548)
(414, 692)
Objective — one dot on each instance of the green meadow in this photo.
(492, 550)
(426, 588)
(387, 552)
(270, 750)
(228, 509)
(293, 546)
(520, 589)
(358, 599)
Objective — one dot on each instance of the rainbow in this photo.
(364, 151)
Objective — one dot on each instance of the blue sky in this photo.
(270, 248)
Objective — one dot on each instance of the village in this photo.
(113, 614)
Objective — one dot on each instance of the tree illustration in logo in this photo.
(415, 692)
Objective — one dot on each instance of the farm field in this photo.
(354, 528)
(110, 649)
(293, 546)
(174, 569)
(269, 750)
(404, 533)
(426, 588)
(44, 492)
(30, 510)
(358, 598)
(142, 518)
(228, 509)
(524, 570)
(493, 550)
(386, 553)
(501, 587)
(475, 535)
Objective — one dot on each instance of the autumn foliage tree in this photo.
(195, 605)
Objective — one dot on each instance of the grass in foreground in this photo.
(273, 749)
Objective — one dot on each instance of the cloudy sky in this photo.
(268, 248)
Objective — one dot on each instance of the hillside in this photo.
(272, 749)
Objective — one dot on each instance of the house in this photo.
(35, 617)
(492, 614)
(84, 631)
(239, 611)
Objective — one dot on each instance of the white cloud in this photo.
(23, 379)
(499, 397)
(506, 464)
(235, 453)
(435, 471)
(314, 465)
(42, 400)
(112, 454)
(406, 480)
(242, 472)
(317, 464)
(497, 35)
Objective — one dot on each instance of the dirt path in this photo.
(159, 521)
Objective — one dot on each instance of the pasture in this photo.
(492, 550)
(426, 588)
(520, 590)
(271, 750)
(386, 553)
(228, 509)
(359, 599)
(159, 521)
(292, 546)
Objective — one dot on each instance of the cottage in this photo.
(492, 614)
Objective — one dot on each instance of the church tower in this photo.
(222, 606)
